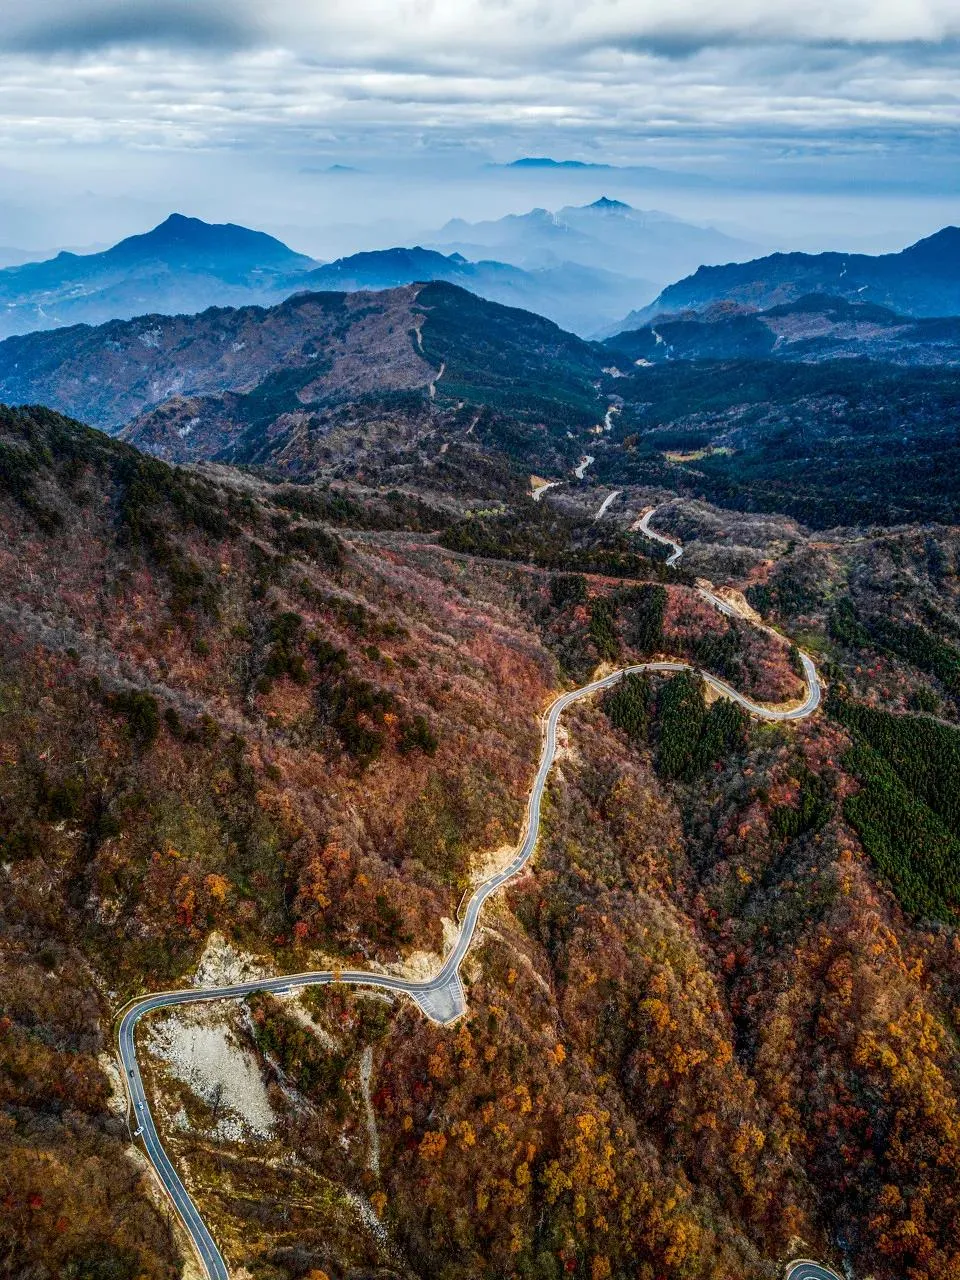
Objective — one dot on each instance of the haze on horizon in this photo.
(815, 126)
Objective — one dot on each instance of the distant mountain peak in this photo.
(178, 228)
(942, 245)
(181, 229)
(181, 220)
(606, 203)
(546, 162)
(181, 265)
(183, 240)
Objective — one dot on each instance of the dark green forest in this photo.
(907, 812)
(835, 443)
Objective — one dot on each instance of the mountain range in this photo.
(184, 264)
(607, 234)
(921, 280)
(581, 298)
(189, 387)
(636, 172)
(213, 384)
(814, 328)
(584, 267)
(109, 373)
(276, 712)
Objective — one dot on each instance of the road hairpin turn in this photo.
(441, 998)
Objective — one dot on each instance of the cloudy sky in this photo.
(124, 107)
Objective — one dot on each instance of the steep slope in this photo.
(921, 280)
(182, 265)
(193, 387)
(195, 633)
(703, 1033)
(507, 358)
(815, 328)
(332, 343)
(511, 381)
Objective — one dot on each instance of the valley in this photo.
(441, 998)
(321, 638)
(479, 641)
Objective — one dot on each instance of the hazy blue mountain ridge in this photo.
(921, 280)
(607, 234)
(182, 265)
(582, 299)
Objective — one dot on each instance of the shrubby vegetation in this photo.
(900, 637)
(794, 587)
(813, 808)
(538, 534)
(392, 510)
(918, 646)
(568, 588)
(698, 1034)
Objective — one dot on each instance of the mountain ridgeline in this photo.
(609, 235)
(833, 412)
(277, 710)
(579, 297)
(921, 280)
(182, 265)
(196, 387)
(187, 265)
(814, 328)
(583, 268)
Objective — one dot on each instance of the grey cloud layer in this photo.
(52, 27)
(568, 72)
(369, 28)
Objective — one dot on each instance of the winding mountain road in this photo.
(441, 998)
(606, 503)
(643, 526)
(802, 1269)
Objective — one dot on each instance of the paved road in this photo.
(441, 997)
(537, 494)
(606, 503)
(644, 526)
(814, 687)
(802, 1269)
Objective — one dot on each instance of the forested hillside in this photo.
(249, 722)
(840, 443)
